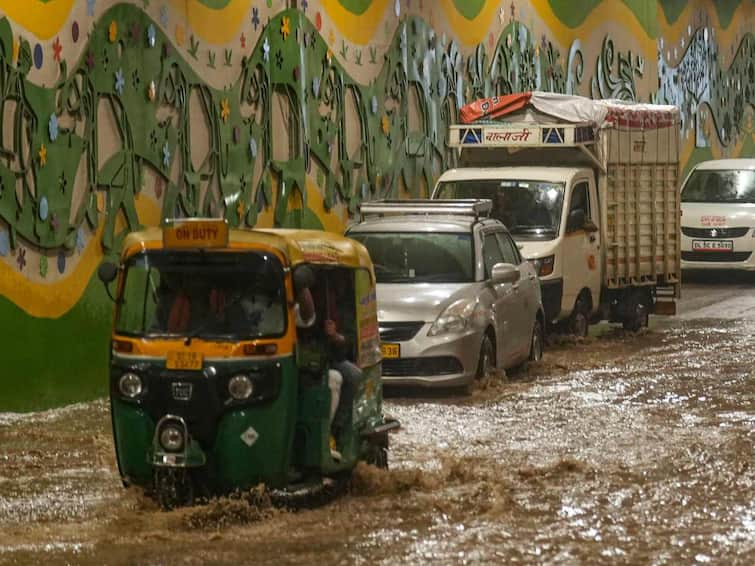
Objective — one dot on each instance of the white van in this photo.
(718, 215)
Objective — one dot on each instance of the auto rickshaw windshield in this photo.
(209, 294)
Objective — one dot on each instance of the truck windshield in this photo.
(527, 208)
(419, 257)
(216, 295)
(735, 185)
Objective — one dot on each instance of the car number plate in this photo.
(184, 360)
(390, 350)
(713, 245)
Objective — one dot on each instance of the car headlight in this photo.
(240, 387)
(172, 437)
(130, 385)
(543, 265)
(456, 317)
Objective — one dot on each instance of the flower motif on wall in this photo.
(152, 91)
(385, 124)
(4, 243)
(52, 127)
(151, 35)
(112, 32)
(166, 155)
(285, 27)
(243, 40)
(120, 82)
(21, 258)
(253, 148)
(42, 155)
(180, 36)
(90, 8)
(225, 110)
(266, 50)
(81, 240)
(57, 49)
(44, 208)
(164, 16)
(255, 18)
(90, 60)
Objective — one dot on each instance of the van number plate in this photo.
(184, 360)
(712, 245)
(390, 350)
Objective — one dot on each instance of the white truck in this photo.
(590, 191)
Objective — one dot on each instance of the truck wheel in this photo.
(578, 321)
(536, 343)
(638, 312)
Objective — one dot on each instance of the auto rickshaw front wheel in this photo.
(173, 487)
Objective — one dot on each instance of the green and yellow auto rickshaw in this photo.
(213, 388)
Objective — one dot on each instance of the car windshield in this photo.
(528, 208)
(735, 185)
(217, 295)
(419, 257)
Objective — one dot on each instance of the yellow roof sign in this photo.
(196, 233)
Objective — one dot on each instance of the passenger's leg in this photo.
(335, 382)
(352, 376)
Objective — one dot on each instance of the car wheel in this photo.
(638, 312)
(578, 321)
(486, 364)
(536, 344)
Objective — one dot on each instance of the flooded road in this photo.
(618, 449)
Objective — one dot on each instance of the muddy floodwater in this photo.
(618, 449)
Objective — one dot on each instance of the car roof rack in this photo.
(452, 207)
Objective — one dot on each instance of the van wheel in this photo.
(638, 312)
(486, 365)
(578, 321)
(536, 343)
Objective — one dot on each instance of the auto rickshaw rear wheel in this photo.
(173, 487)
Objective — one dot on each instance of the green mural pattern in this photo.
(132, 69)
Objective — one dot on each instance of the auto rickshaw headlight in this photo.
(240, 387)
(130, 385)
(172, 437)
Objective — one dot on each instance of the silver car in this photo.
(455, 298)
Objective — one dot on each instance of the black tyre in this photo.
(579, 321)
(537, 341)
(173, 488)
(638, 312)
(379, 457)
(486, 364)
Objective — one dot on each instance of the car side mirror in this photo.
(107, 272)
(590, 226)
(504, 273)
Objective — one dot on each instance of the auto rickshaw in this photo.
(212, 388)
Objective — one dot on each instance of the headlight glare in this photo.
(240, 387)
(172, 438)
(455, 318)
(130, 385)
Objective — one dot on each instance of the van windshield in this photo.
(527, 208)
(419, 257)
(734, 185)
(216, 295)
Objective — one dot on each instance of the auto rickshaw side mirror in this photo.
(590, 226)
(107, 272)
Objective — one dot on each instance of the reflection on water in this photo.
(618, 449)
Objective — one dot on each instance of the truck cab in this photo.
(552, 212)
(588, 189)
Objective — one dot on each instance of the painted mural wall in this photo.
(116, 115)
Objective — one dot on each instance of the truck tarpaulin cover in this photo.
(576, 109)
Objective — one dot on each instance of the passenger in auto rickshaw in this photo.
(331, 290)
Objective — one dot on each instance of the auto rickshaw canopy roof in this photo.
(296, 246)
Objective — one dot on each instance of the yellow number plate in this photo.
(184, 360)
(390, 350)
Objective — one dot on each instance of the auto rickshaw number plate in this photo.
(184, 360)
(390, 350)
